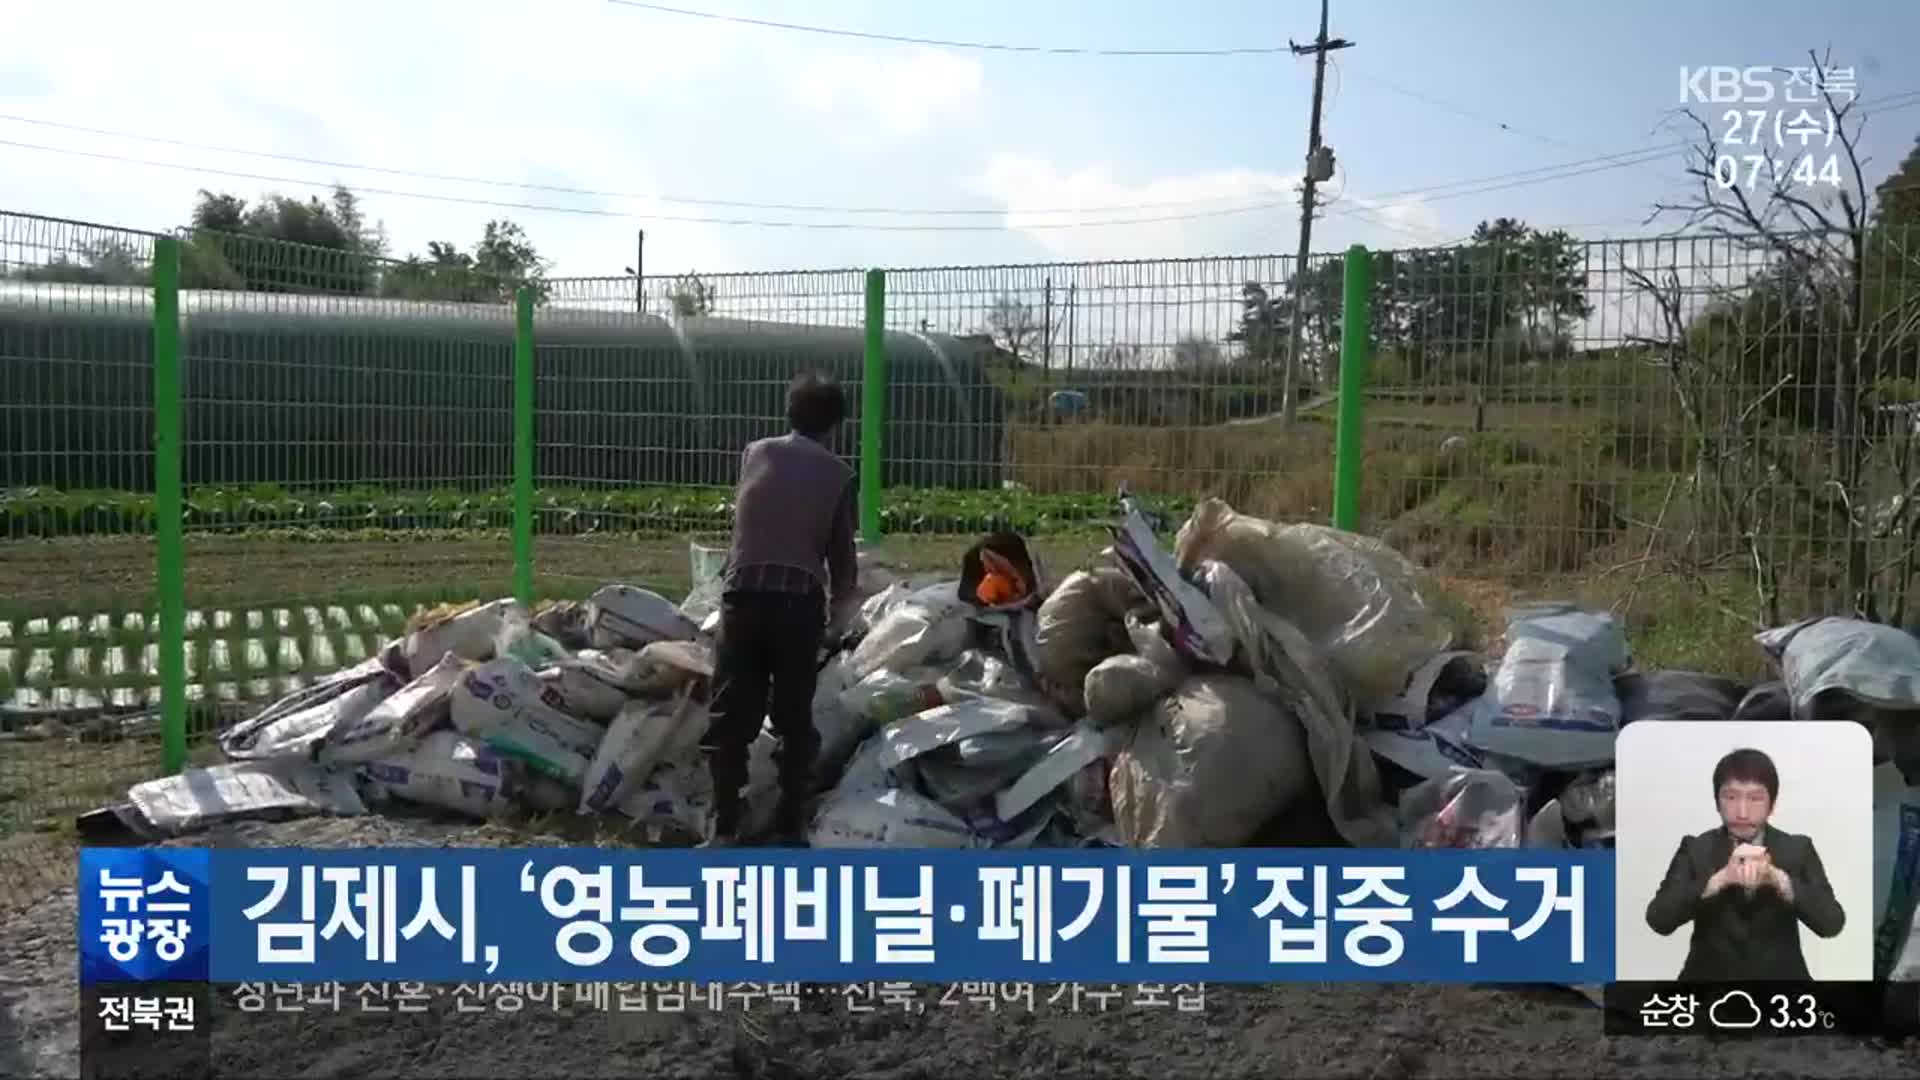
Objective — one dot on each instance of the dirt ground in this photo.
(1384, 1031)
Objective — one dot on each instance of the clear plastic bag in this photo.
(928, 626)
(886, 695)
(517, 639)
(1356, 599)
(1552, 702)
(705, 564)
(979, 673)
(470, 632)
(1466, 809)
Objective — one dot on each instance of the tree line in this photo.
(282, 244)
(1508, 284)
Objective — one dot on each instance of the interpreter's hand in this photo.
(1752, 866)
(1717, 882)
(1778, 881)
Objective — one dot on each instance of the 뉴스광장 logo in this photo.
(143, 915)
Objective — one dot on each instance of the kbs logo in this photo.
(1726, 85)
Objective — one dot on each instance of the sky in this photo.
(653, 111)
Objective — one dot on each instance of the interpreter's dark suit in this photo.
(1739, 935)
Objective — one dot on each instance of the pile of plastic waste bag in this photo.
(1258, 684)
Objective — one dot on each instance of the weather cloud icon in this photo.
(1736, 1010)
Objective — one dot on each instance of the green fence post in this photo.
(1354, 340)
(170, 571)
(873, 406)
(523, 445)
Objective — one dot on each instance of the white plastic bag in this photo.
(297, 723)
(398, 721)
(630, 617)
(518, 639)
(888, 695)
(451, 771)
(660, 661)
(973, 770)
(679, 790)
(262, 790)
(469, 633)
(927, 627)
(1208, 767)
(875, 607)
(1356, 599)
(674, 796)
(705, 565)
(895, 818)
(1083, 751)
(1858, 662)
(924, 732)
(586, 687)
(1552, 702)
(634, 744)
(840, 729)
(508, 707)
(1467, 808)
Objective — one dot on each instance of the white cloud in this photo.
(1183, 214)
(903, 94)
(1407, 222)
(1242, 211)
(531, 91)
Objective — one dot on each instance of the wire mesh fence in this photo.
(1706, 433)
(645, 392)
(347, 456)
(77, 551)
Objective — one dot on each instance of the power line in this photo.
(1430, 193)
(944, 43)
(1439, 103)
(608, 194)
(1072, 51)
(1503, 182)
(558, 189)
(594, 212)
(1894, 101)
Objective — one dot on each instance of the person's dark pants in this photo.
(766, 664)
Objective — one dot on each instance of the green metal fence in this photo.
(227, 465)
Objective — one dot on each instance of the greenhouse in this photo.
(299, 390)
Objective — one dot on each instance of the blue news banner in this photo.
(815, 916)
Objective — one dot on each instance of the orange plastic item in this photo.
(1002, 583)
(996, 589)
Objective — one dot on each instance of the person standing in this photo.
(787, 587)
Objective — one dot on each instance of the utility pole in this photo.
(638, 270)
(1319, 167)
(1073, 293)
(1047, 330)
